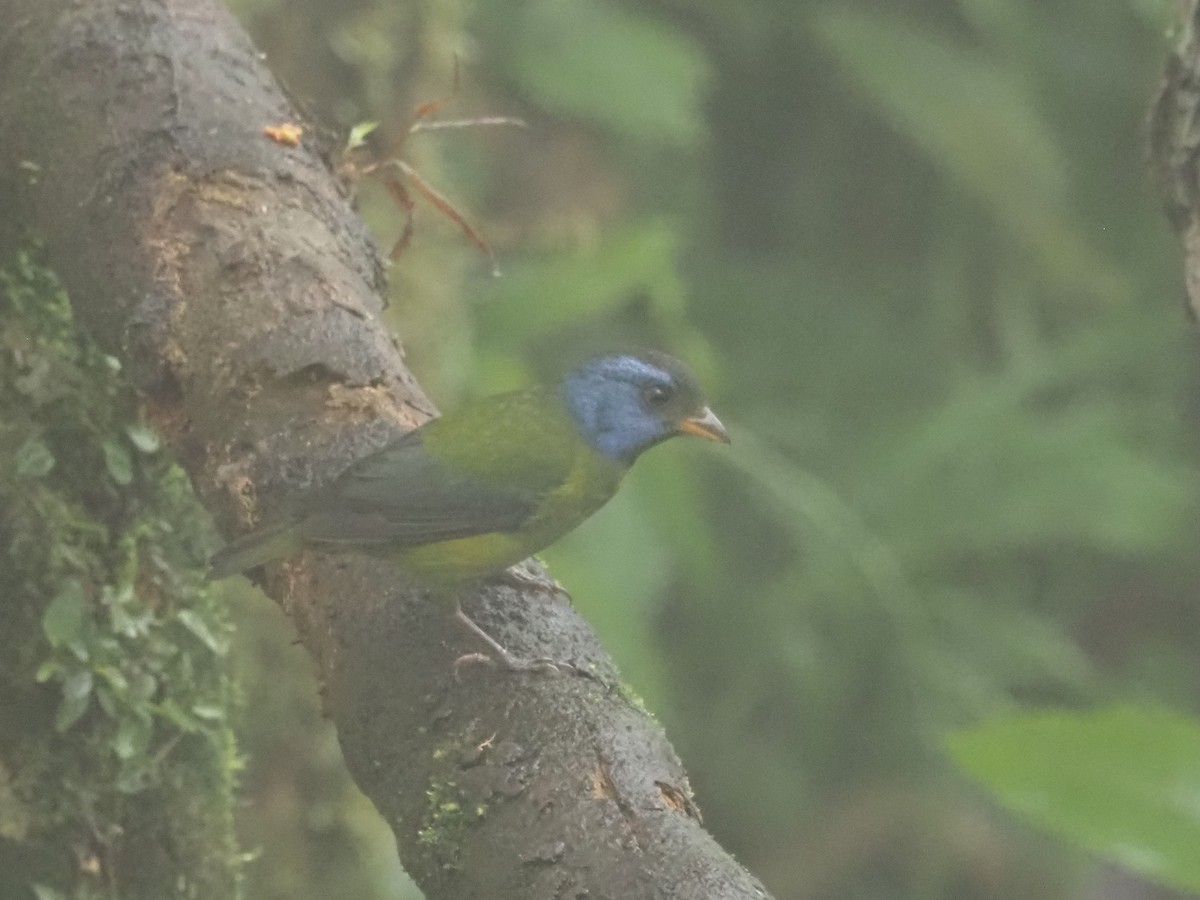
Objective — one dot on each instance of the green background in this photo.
(914, 252)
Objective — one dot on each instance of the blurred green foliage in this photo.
(1124, 781)
(912, 250)
(559, 54)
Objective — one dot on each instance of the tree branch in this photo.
(232, 277)
(1175, 145)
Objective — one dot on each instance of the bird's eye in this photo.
(656, 395)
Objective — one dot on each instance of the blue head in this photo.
(625, 403)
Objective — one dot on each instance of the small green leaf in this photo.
(359, 134)
(209, 711)
(34, 459)
(65, 615)
(45, 892)
(115, 678)
(47, 670)
(118, 463)
(1122, 782)
(77, 691)
(190, 620)
(144, 437)
(142, 686)
(130, 625)
(132, 737)
(175, 714)
(78, 685)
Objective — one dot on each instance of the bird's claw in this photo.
(541, 665)
(501, 658)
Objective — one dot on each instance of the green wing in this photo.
(486, 468)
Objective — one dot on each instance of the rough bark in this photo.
(232, 277)
(1175, 144)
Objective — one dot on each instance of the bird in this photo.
(466, 496)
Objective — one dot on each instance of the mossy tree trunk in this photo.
(116, 756)
(229, 275)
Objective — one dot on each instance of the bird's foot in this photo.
(501, 658)
(541, 665)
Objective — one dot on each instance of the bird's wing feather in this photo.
(405, 496)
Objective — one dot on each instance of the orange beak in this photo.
(705, 425)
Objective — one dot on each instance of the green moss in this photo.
(114, 732)
(448, 812)
(634, 699)
(443, 823)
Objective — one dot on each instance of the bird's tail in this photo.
(254, 549)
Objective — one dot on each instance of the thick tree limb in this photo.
(230, 274)
(1175, 144)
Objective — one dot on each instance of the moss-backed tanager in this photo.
(474, 492)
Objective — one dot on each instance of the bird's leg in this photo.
(499, 656)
